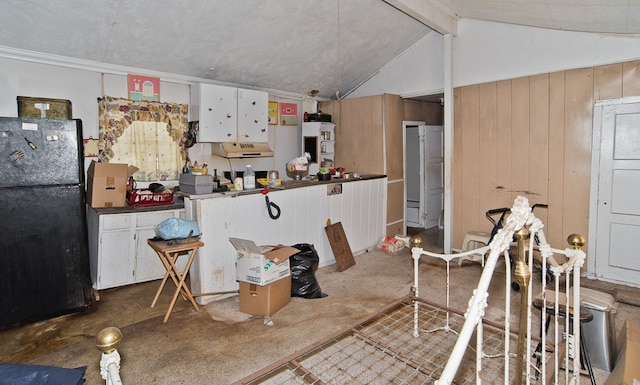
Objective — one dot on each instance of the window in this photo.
(147, 135)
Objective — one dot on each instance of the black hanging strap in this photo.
(271, 206)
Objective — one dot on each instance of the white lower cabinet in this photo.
(118, 248)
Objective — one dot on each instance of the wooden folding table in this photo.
(169, 251)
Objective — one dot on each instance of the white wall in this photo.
(486, 51)
(83, 85)
(417, 71)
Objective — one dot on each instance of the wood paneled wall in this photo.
(369, 141)
(416, 110)
(394, 163)
(531, 136)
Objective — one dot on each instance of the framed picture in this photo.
(273, 112)
(143, 88)
(289, 114)
(90, 147)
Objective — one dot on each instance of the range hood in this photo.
(241, 150)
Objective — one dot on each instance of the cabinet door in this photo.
(115, 261)
(148, 264)
(218, 113)
(253, 120)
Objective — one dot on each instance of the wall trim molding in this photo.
(112, 69)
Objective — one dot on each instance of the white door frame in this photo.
(595, 179)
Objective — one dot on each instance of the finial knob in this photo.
(523, 233)
(415, 241)
(108, 339)
(576, 241)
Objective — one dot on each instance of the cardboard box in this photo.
(107, 184)
(196, 184)
(265, 300)
(627, 370)
(261, 265)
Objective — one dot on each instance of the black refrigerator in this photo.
(44, 257)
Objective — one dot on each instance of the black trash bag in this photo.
(303, 267)
(18, 374)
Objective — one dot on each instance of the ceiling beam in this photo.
(431, 13)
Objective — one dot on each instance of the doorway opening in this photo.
(424, 177)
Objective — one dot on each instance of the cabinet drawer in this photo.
(152, 219)
(115, 222)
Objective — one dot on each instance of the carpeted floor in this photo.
(219, 344)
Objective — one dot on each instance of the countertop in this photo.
(286, 185)
(178, 198)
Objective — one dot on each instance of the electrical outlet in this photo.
(334, 189)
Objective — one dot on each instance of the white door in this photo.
(434, 178)
(415, 165)
(424, 168)
(614, 242)
(116, 265)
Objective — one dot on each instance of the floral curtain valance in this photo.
(116, 114)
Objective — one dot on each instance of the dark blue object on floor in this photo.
(17, 374)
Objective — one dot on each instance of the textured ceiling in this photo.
(289, 45)
(604, 16)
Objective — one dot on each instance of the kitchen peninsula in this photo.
(305, 209)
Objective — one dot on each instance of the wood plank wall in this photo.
(369, 141)
(394, 163)
(531, 136)
(416, 110)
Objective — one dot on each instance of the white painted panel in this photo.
(626, 140)
(624, 246)
(625, 190)
(213, 269)
(116, 264)
(304, 214)
(113, 222)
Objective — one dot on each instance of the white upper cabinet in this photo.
(253, 119)
(229, 114)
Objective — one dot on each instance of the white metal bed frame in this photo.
(384, 336)
(402, 341)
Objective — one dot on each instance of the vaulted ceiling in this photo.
(321, 47)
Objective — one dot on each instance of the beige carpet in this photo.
(220, 345)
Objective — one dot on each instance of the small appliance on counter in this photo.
(196, 184)
(318, 117)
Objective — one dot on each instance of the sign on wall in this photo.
(289, 114)
(143, 88)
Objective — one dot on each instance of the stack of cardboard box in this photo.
(264, 276)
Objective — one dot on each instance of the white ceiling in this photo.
(296, 46)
